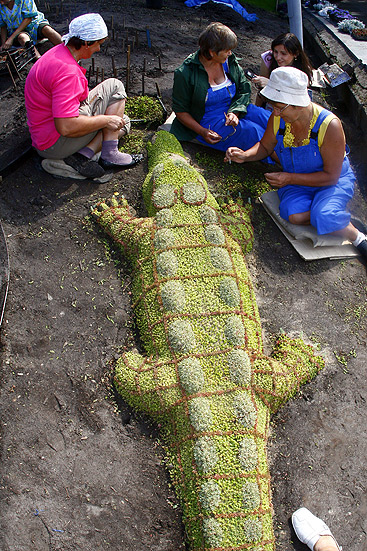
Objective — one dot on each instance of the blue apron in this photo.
(250, 129)
(327, 204)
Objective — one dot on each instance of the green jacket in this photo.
(190, 87)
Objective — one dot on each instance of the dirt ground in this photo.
(79, 470)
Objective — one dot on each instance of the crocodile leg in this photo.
(236, 219)
(115, 216)
(279, 378)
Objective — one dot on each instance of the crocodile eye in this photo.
(164, 196)
(193, 193)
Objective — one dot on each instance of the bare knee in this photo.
(300, 218)
(23, 38)
(53, 36)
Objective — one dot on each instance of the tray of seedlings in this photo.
(146, 113)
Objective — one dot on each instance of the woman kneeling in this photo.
(317, 181)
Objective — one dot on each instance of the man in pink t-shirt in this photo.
(65, 120)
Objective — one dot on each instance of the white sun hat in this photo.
(87, 27)
(287, 85)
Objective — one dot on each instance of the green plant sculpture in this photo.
(204, 377)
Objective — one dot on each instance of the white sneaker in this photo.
(309, 528)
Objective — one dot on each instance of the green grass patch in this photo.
(233, 180)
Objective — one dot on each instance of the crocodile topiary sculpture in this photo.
(205, 377)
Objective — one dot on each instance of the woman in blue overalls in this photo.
(317, 181)
(211, 95)
(249, 129)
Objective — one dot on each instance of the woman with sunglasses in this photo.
(211, 95)
(317, 181)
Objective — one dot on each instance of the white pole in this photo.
(295, 18)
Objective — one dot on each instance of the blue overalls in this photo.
(327, 205)
(250, 129)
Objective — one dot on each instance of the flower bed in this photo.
(338, 15)
(359, 34)
(349, 25)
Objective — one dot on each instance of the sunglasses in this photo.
(229, 135)
(279, 111)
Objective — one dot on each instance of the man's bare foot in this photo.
(313, 531)
(326, 543)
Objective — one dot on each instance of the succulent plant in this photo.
(205, 378)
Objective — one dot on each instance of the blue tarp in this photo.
(230, 3)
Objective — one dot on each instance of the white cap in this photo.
(88, 27)
(287, 85)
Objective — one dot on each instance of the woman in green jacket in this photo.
(211, 95)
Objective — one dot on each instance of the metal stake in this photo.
(128, 70)
(143, 77)
(113, 66)
(11, 75)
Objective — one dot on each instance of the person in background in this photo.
(313, 532)
(317, 180)
(21, 22)
(211, 95)
(66, 120)
(286, 51)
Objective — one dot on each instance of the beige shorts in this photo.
(99, 98)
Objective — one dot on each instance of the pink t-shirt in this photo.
(54, 88)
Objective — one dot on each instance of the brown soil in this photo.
(79, 469)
